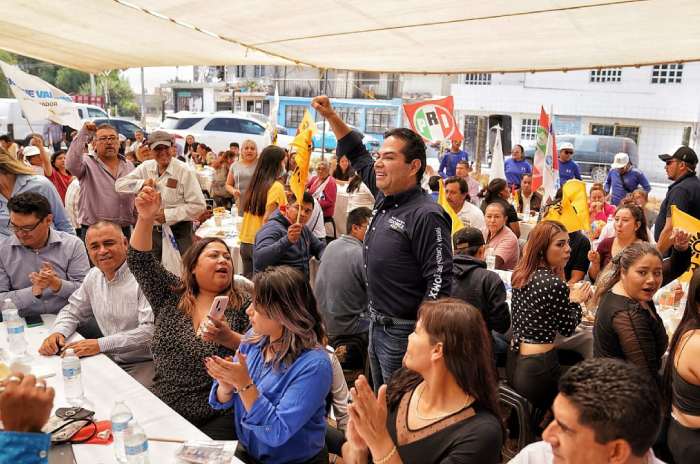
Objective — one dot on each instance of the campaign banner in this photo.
(40, 100)
(433, 119)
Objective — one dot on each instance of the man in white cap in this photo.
(568, 169)
(624, 179)
(182, 197)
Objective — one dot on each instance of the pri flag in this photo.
(433, 119)
(40, 100)
(550, 173)
(540, 149)
(691, 225)
(442, 201)
(302, 146)
(498, 170)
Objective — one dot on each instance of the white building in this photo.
(657, 106)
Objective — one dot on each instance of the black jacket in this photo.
(408, 247)
(483, 289)
(685, 194)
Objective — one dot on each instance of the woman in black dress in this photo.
(442, 406)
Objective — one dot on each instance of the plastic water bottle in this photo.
(234, 211)
(136, 444)
(120, 417)
(73, 385)
(15, 328)
(490, 259)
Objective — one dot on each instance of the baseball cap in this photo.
(621, 160)
(468, 237)
(30, 151)
(685, 154)
(159, 138)
(566, 146)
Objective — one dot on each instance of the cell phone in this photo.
(218, 307)
(210, 204)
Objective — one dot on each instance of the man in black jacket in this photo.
(407, 252)
(478, 286)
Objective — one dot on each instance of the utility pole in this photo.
(143, 100)
(93, 87)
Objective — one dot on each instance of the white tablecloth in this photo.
(228, 232)
(104, 382)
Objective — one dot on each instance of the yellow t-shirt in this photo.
(252, 223)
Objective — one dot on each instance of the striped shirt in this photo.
(120, 309)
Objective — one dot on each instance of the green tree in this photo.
(120, 95)
(70, 80)
(8, 58)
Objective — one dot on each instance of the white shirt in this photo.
(181, 194)
(471, 216)
(360, 197)
(541, 453)
(71, 202)
(315, 223)
(120, 309)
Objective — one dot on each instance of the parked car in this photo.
(594, 153)
(12, 120)
(262, 119)
(329, 143)
(218, 130)
(124, 126)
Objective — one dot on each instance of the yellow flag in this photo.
(302, 146)
(572, 210)
(442, 201)
(688, 223)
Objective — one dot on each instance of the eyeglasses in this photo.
(668, 162)
(25, 229)
(107, 139)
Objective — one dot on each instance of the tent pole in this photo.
(143, 100)
(323, 136)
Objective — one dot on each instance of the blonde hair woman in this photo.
(16, 178)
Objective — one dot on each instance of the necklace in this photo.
(467, 403)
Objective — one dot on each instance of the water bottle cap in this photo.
(70, 352)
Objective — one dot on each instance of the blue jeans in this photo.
(387, 346)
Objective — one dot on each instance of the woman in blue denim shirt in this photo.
(281, 376)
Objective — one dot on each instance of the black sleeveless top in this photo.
(686, 395)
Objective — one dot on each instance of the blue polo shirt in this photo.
(448, 165)
(568, 170)
(619, 186)
(515, 170)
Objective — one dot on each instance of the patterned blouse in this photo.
(181, 379)
(542, 308)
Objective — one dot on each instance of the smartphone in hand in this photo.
(218, 307)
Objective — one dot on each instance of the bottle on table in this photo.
(120, 417)
(15, 328)
(490, 258)
(136, 444)
(73, 385)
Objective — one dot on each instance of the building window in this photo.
(349, 115)
(293, 114)
(477, 79)
(258, 70)
(528, 129)
(685, 141)
(240, 71)
(667, 74)
(606, 75)
(616, 130)
(380, 120)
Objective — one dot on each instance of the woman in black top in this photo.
(442, 407)
(627, 325)
(681, 383)
(180, 305)
(343, 170)
(542, 306)
(497, 190)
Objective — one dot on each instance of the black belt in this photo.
(385, 320)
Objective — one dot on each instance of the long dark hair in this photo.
(622, 262)
(266, 172)
(466, 343)
(339, 174)
(354, 184)
(535, 253)
(690, 321)
(188, 289)
(283, 293)
(492, 191)
(638, 214)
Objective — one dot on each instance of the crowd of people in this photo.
(442, 320)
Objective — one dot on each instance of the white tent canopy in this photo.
(407, 36)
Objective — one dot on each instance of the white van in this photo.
(12, 121)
